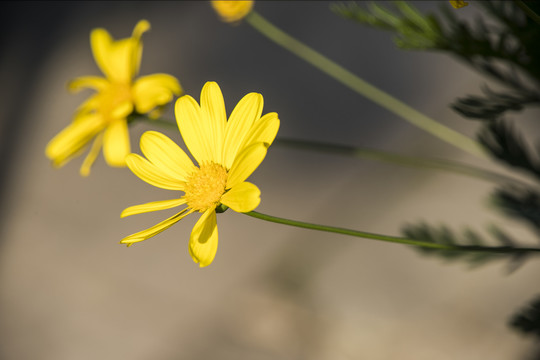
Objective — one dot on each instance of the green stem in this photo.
(362, 87)
(439, 164)
(159, 121)
(393, 239)
(527, 10)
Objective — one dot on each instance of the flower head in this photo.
(226, 153)
(232, 11)
(458, 3)
(103, 116)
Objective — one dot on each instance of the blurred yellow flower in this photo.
(232, 11)
(458, 3)
(103, 116)
(227, 152)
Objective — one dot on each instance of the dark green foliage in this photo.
(520, 203)
(492, 105)
(527, 320)
(507, 145)
(503, 45)
(413, 30)
(468, 239)
(508, 52)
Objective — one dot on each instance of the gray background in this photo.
(68, 290)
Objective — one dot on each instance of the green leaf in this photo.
(527, 321)
(507, 145)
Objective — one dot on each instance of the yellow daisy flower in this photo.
(103, 117)
(227, 152)
(458, 3)
(232, 11)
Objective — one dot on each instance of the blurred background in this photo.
(68, 290)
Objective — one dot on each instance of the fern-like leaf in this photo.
(505, 53)
(519, 203)
(527, 321)
(443, 235)
(507, 145)
(413, 29)
(493, 105)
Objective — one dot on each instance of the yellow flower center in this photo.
(205, 186)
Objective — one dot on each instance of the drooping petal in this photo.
(246, 112)
(214, 117)
(73, 138)
(243, 197)
(88, 82)
(203, 241)
(189, 120)
(245, 164)
(151, 174)
(152, 206)
(165, 154)
(92, 155)
(141, 27)
(264, 130)
(156, 229)
(116, 143)
(154, 90)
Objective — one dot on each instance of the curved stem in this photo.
(387, 238)
(362, 87)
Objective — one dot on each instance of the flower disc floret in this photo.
(205, 187)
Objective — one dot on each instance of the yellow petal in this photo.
(90, 104)
(73, 138)
(166, 155)
(150, 173)
(214, 118)
(246, 112)
(101, 42)
(141, 27)
(92, 155)
(154, 90)
(232, 11)
(119, 60)
(116, 143)
(156, 229)
(203, 241)
(122, 110)
(245, 164)
(264, 130)
(189, 119)
(88, 82)
(244, 197)
(151, 206)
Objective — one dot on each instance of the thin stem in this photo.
(439, 164)
(387, 238)
(159, 121)
(527, 10)
(366, 153)
(362, 87)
